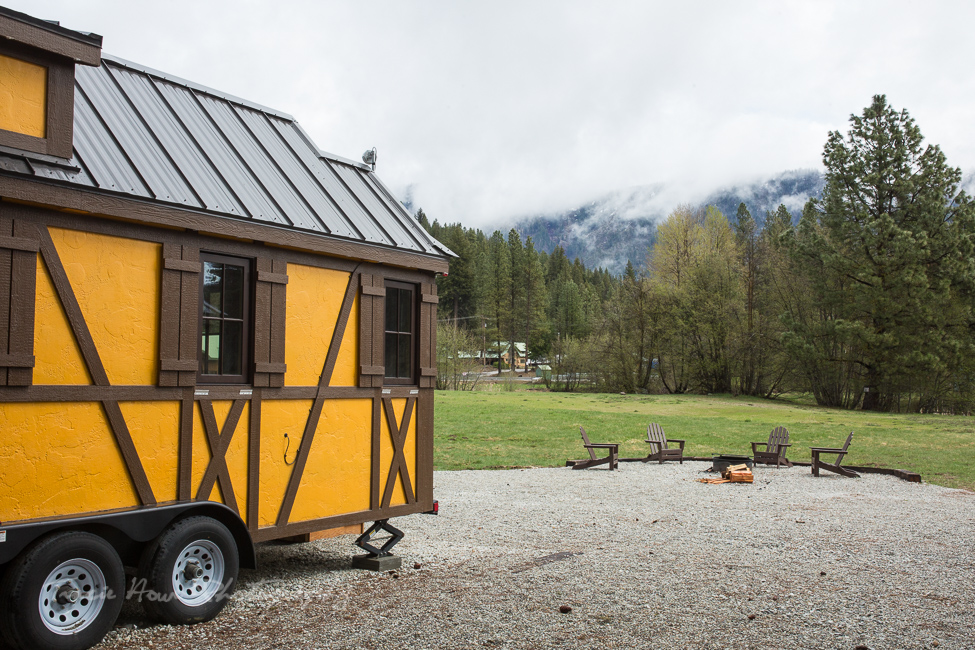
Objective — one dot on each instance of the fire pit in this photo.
(722, 462)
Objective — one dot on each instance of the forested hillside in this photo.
(864, 301)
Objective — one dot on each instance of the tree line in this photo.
(864, 300)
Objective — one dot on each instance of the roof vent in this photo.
(369, 157)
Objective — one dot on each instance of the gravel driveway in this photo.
(645, 557)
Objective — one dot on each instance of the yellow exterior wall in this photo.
(23, 97)
(279, 417)
(314, 300)
(57, 357)
(386, 453)
(336, 477)
(59, 459)
(154, 427)
(116, 282)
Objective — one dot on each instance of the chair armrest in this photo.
(827, 450)
(755, 446)
(602, 445)
(679, 442)
(784, 444)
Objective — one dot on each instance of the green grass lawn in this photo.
(527, 428)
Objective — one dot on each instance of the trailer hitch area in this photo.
(375, 531)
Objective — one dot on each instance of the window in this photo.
(400, 345)
(225, 319)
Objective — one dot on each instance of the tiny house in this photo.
(212, 334)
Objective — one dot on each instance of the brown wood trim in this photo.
(129, 453)
(268, 533)
(430, 298)
(374, 291)
(177, 365)
(61, 393)
(22, 302)
(98, 202)
(262, 323)
(254, 463)
(398, 466)
(372, 370)
(184, 491)
(50, 42)
(274, 278)
(16, 361)
(6, 288)
(189, 317)
(19, 244)
(270, 367)
(183, 266)
(428, 372)
(219, 442)
(107, 225)
(279, 321)
(424, 447)
(338, 334)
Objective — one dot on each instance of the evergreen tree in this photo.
(893, 241)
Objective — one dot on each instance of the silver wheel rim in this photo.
(72, 596)
(198, 574)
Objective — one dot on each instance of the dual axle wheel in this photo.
(66, 590)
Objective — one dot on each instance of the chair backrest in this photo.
(849, 439)
(585, 441)
(779, 436)
(655, 433)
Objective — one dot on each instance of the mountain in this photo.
(620, 227)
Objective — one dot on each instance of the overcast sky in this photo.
(495, 110)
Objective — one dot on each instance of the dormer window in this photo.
(37, 60)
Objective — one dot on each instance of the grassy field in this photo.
(527, 428)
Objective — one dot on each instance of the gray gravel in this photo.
(644, 556)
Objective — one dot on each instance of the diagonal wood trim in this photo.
(94, 364)
(300, 460)
(316, 410)
(338, 334)
(219, 442)
(398, 466)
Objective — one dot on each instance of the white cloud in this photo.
(495, 110)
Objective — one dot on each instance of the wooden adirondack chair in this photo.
(775, 448)
(612, 459)
(659, 451)
(818, 463)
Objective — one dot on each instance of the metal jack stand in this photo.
(378, 559)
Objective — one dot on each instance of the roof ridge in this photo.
(165, 76)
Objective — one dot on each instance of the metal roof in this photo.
(145, 134)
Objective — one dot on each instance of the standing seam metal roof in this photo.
(143, 133)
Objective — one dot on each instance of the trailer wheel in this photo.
(189, 571)
(64, 592)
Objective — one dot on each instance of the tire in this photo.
(63, 592)
(188, 574)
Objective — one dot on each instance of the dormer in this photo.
(37, 62)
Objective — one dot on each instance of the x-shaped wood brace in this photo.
(219, 441)
(397, 432)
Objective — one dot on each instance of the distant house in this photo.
(518, 360)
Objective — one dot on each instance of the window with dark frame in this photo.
(400, 344)
(225, 316)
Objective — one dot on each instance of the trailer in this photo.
(212, 334)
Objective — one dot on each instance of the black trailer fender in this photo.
(129, 530)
